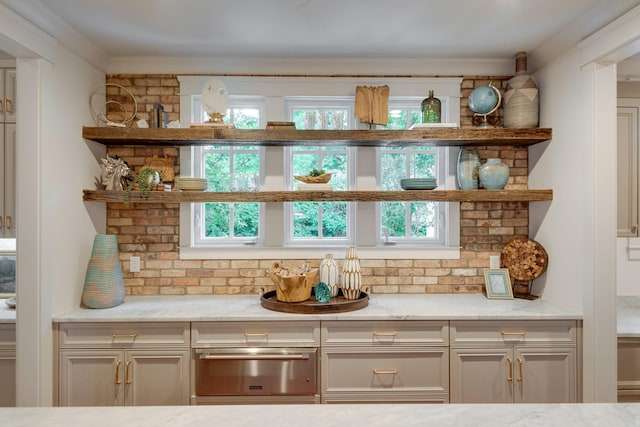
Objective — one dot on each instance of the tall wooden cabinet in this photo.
(123, 364)
(8, 94)
(7, 364)
(628, 159)
(514, 362)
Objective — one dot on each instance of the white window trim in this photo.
(275, 90)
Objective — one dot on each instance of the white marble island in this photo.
(405, 415)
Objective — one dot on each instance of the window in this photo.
(310, 229)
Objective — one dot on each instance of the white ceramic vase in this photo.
(351, 275)
(329, 274)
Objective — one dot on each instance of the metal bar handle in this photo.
(1, 106)
(384, 334)
(118, 372)
(8, 222)
(510, 377)
(390, 372)
(7, 105)
(520, 363)
(114, 335)
(518, 333)
(126, 372)
(256, 334)
(298, 356)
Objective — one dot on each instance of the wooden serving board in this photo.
(337, 304)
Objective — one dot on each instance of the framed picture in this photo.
(498, 283)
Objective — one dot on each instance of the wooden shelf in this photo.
(323, 196)
(285, 137)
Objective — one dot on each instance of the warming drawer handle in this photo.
(132, 336)
(209, 356)
(256, 334)
(518, 333)
(391, 371)
(384, 334)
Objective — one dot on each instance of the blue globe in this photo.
(483, 99)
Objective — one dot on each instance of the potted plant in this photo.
(315, 176)
(144, 181)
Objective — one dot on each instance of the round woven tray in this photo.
(525, 259)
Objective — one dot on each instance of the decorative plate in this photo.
(525, 259)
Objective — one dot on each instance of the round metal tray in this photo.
(337, 304)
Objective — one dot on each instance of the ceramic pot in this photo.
(351, 275)
(329, 273)
(104, 284)
(467, 171)
(493, 174)
(520, 108)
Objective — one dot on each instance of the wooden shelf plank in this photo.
(284, 137)
(324, 196)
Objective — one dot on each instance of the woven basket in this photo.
(320, 179)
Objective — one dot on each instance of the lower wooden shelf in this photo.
(323, 196)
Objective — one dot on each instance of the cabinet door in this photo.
(155, 378)
(628, 171)
(7, 378)
(9, 184)
(91, 377)
(10, 95)
(482, 375)
(545, 375)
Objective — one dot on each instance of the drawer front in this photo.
(250, 334)
(629, 364)
(496, 332)
(123, 335)
(385, 333)
(8, 335)
(412, 371)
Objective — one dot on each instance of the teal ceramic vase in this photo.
(104, 284)
(493, 174)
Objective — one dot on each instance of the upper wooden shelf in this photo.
(323, 196)
(284, 137)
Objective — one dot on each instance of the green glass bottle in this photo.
(431, 109)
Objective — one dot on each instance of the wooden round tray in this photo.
(337, 304)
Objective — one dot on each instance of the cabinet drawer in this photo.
(352, 371)
(385, 333)
(249, 334)
(483, 333)
(8, 335)
(123, 335)
(629, 364)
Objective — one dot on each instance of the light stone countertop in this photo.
(7, 314)
(381, 307)
(404, 415)
(628, 313)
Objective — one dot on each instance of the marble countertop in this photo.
(381, 307)
(628, 313)
(405, 415)
(7, 314)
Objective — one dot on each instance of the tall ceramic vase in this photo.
(104, 284)
(467, 172)
(520, 107)
(351, 275)
(329, 273)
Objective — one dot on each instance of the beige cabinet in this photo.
(123, 364)
(628, 369)
(7, 180)
(8, 364)
(389, 361)
(514, 362)
(8, 95)
(628, 158)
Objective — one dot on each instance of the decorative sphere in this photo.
(484, 99)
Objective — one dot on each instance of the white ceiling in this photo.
(322, 28)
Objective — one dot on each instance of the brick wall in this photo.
(150, 231)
